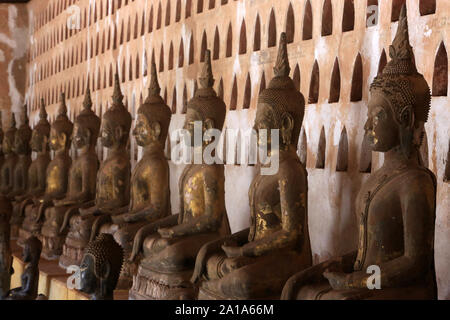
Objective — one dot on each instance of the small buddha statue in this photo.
(395, 206)
(36, 178)
(20, 184)
(277, 243)
(10, 160)
(150, 193)
(113, 180)
(6, 259)
(169, 245)
(81, 183)
(100, 267)
(30, 276)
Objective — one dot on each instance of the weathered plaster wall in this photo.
(14, 36)
(60, 60)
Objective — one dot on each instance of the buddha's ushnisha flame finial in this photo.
(282, 67)
(87, 103)
(206, 77)
(62, 111)
(154, 89)
(117, 94)
(401, 51)
(42, 112)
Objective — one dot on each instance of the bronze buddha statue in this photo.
(100, 267)
(57, 170)
(395, 206)
(150, 192)
(30, 276)
(81, 183)
(169, 246)
(113, 180)
(10, 160)
(29, 201)
(256, 262)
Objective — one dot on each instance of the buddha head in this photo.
(86, 126)
(41, 132)
(205, 107)
(280, 106)
(32, 250)
(101, 266)
(23, 135)
(400, 99)
(153, 117)
(61, 129)
(116, 122)
(10, 134)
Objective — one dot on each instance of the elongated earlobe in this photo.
(287, 126)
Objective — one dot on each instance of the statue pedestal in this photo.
(52, 279)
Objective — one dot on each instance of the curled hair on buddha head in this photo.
(403, 86)
(62, 124)
(154, 108)
(281, 94)
(104, 250)
(205, 102)
(118, 113)
(88, 119)
(43, 126)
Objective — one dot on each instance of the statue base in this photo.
(29, 226)
(153, 285)
(52, 246)
(72, 253)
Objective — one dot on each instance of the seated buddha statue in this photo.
(150, 193)
(30, 276)
(57, 170)
(395, 206)
(23, 151)
(169, 245)
(10, 159)
(36, 178)
(100, 267)
(113, 179)
(256, 262)
(81, 183)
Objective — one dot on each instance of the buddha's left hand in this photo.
(232, 252)
(337, 280)
(166, 232)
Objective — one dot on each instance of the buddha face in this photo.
(20, 144)
(193, 116)
(38, 141)
(381, 129)
(146, 131)
(88, 278)
(57, 140)
(26, 254)
(7, 145)
(107, 134)
(264, 121)
(81, 136)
